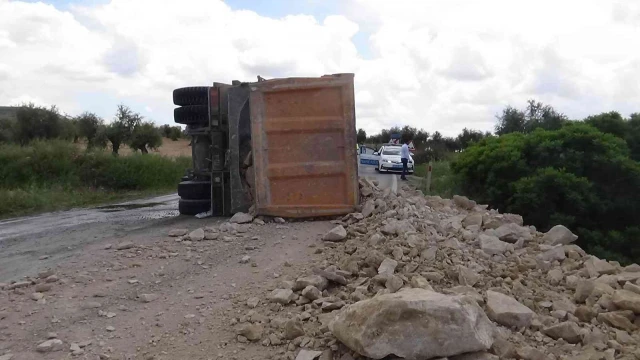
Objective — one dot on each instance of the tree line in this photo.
(29, 122)
(428, 146)
(536, 115)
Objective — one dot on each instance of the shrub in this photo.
(576, 176)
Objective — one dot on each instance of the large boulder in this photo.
(241, 218)
(414, 324)
(627, 300)
(597, 267)
(474, 219)
(493, 246)
(463, 202)
(569, 331)
(511, 233)
(507, 311)
(494, 221)
(338, 233)
(559, 235)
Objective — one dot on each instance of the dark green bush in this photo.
(576, 176)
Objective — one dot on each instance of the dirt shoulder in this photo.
(97, 297)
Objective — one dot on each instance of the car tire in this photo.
(195, 190)
(193, 207)
(192, 115)
(195, 95)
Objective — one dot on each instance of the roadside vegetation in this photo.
(49, 161)
(584, 174)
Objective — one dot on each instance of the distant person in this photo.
(404, 157)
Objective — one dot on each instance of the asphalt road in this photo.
(34, 242)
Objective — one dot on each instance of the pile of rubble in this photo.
(421, 277)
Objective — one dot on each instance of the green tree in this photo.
(88, 125)
(468, 137)
(361, 137)
(538, 115)
(610, 123)
(175, 133)
(120, 131)
(7, 130)
(36, 122)
(511, 120)
(633, 136)
(420, 139)
(145, 136)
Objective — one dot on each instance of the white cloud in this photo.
(440, 65)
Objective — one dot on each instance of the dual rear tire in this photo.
(193, 110)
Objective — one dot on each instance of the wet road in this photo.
(132, 211)
(30, 243)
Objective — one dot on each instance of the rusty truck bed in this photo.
(304, 140)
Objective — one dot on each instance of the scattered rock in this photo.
(125, 245)
(241, 218)
(253, 302)
(511, 233)
(569, 331)
(147, 298)
(281, 296)
(50, 346)
(583, 290)
(507, 311)
(474, 219)
(293, 329)
(388, 266)
(493, 246)
(559, 235)
(196, 235)
(414, 324)
(178, 232)
(338, 233)
(463, 202)
(253, 332)
(308, 354)
(311, 292)
(245, 259)
(627, 300)
(311, 280)
(43, 287)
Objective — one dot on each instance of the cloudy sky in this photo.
(433, 64)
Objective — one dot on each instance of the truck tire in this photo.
(197, 95)
(192, 115)
(193, 207)
(194, 190)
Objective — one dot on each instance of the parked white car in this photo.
(390, 159)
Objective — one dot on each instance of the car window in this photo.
(391, 151)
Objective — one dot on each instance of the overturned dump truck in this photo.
(283, 146)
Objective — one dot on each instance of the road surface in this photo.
(34, 242)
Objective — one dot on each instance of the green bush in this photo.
(576, 176)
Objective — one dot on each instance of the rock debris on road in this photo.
(409, 276)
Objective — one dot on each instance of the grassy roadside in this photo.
(56, 175)
(22, 202)
(444, 182)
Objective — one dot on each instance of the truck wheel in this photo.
(193, 207)
(192, 115)
(194, 190)
(197, 95)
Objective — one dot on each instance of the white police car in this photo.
(390, 159)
